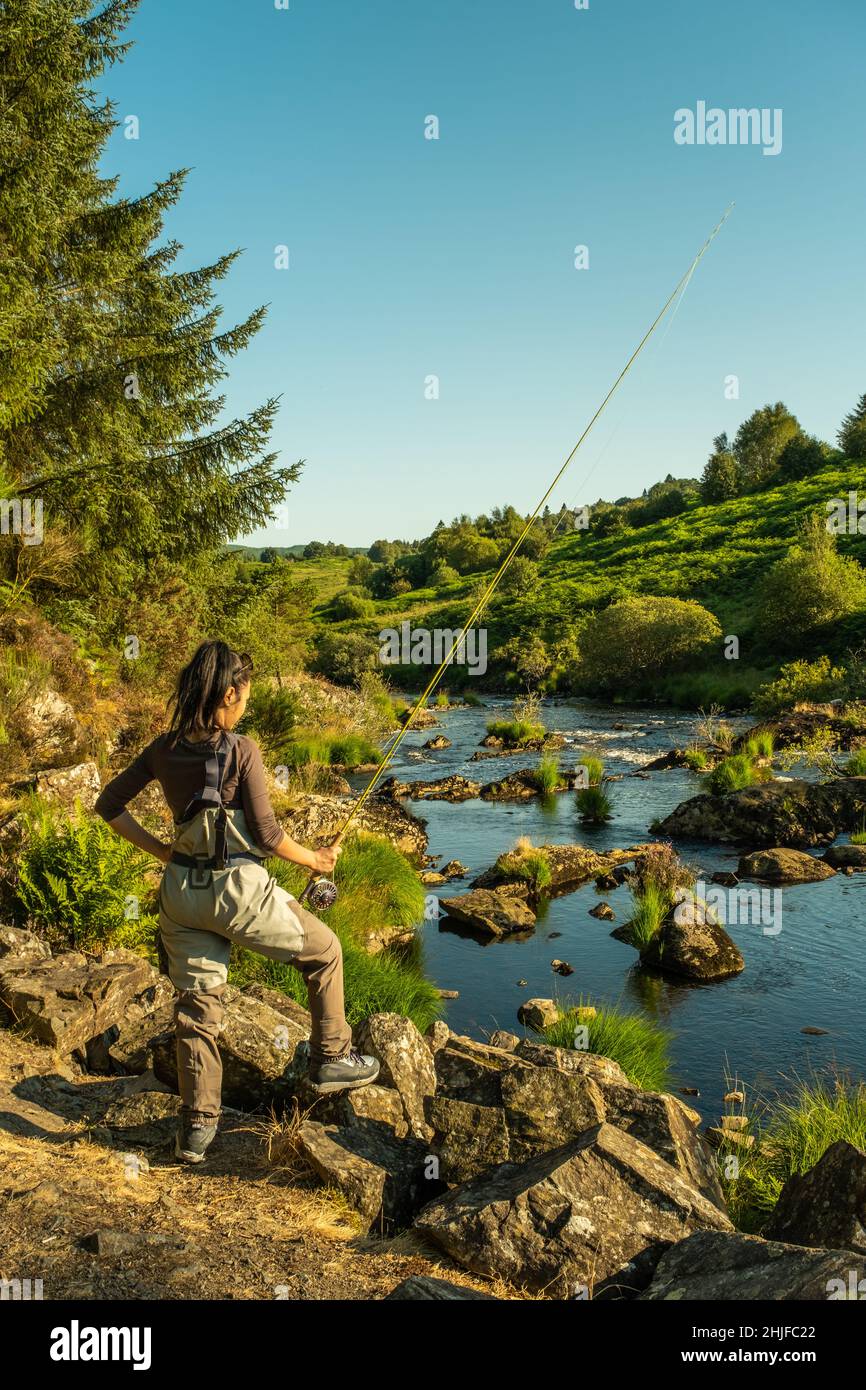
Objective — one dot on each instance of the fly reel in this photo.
(319, 894)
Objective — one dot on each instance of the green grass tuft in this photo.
(640, 1047)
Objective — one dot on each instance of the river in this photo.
(811, 973)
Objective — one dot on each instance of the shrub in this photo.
(271, 716)
(856, 764)
(641, 636)
(811, 586)
(732, 774)
(801, 682)
(640, 1047)
(352, 603)
(78, 880)
(760, 745)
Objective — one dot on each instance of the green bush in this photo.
(801, 682)
(270, 717)
(352, 603)
(811, 587)
(643, 636)
(760, 745)
(80, 883)
(696, 759)
(527, 863)
(640, 1047)
(856, 764)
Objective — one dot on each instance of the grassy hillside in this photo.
(715, 555)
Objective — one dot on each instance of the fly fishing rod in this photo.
(320, 892)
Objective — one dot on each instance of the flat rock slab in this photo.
(712, 1265)
(825, 1207)
(494, 911)
(569, 1218)
(794, 813)
(454, 788)
(784, 866)
(66, 1000)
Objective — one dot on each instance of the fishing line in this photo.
(322, 892)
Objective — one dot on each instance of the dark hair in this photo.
(201, 686)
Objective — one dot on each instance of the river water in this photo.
(811, 973)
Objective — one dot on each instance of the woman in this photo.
(216, 889)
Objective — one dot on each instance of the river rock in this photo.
(538, 1013)
(570, 866)
(453, 869)
(66, 1000)
(710, 1266)
(825, 1207)
(846, 857)
(315, 820)
(498, 912)
(603, 911)
(791, 813)
(440, 741)
(453, 788)
(571, 1217)
(383, 1178)
(405, 1063)
(691, 943)
(783, 866)
(472, 1071)
(49, 726)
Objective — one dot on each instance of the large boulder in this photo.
(264, 1053)
(713, 1265)
(793, 813)
(386, 1180)
(498, 912)
(66, 1000)
(827, 1205)
(783, 866)
(570, 1218)
(692, 944)
(494, 1106)
(538, 1013)
(405, 1063)
(315, 820)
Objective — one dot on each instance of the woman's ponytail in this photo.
(201, 686)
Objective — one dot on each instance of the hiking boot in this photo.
(344, 1073)
(195, 1134)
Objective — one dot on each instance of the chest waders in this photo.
(203, 830)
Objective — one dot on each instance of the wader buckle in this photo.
(200, 874)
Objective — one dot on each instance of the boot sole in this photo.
(187, 1154)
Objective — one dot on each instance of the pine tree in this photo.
(109, 357)
(852, 433)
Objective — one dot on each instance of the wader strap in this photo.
(211, 795)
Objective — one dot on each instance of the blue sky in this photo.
(455, 257)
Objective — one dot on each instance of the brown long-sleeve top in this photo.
(179, 770)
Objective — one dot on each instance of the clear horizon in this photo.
(411, 258)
